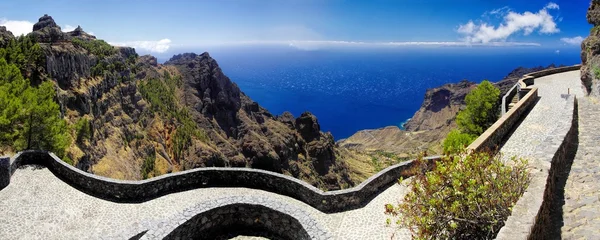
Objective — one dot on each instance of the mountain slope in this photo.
(131, 118)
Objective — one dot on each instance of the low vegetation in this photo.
(462, 197)
(596, 70)
(162, 98)
(99, 48)
(83, 130)
(148, 165)
(465, 195)
(456, 141)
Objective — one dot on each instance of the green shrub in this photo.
(96, 47)
(83, 130)
(148, 165)
(481, 111)
(456, 141)
(462, 197)
(596, 70)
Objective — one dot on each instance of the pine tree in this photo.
(480, 113)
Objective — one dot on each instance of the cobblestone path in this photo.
(542, 119)
(581, 212)
(38, 205)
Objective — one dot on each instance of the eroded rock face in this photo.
(245, 134)
(5, 36)
(590, 53)
(440, 106)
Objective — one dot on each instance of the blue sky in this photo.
(157, 26)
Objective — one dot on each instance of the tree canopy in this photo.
(29, 115)
(481, 111)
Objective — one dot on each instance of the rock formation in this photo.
(46, 30)
(79, 33)
(590, 52)
(200, 118)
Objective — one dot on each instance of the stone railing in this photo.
(506, 99)
(529, 79)
(551, 71)
(530, 217)
(143, 190)
(494, 135)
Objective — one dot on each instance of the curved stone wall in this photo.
(248, 219)
(139, 191)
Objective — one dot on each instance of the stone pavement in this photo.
(542, 119)
(37, 205)
(581, 212)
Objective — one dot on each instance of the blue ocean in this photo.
(352, 90)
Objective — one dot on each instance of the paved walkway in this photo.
(581, 212)
(542, 119)
(37, 205)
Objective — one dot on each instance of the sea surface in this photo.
(352, 90)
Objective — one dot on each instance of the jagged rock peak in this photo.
(187, 56)
(44, 22)
(79, 33)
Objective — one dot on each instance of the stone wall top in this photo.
(530, 215)
(143, 190)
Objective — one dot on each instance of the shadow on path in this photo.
(558, 198)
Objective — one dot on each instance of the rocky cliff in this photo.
(431, 123)
(131, 118)
(590, 52)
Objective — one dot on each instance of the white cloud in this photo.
(573, 41)
(160, 46)
(557, 51)
(18, 28)
(513, 22)
(552, 5)
(497, 12)
(315, 45)
(68, 28)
